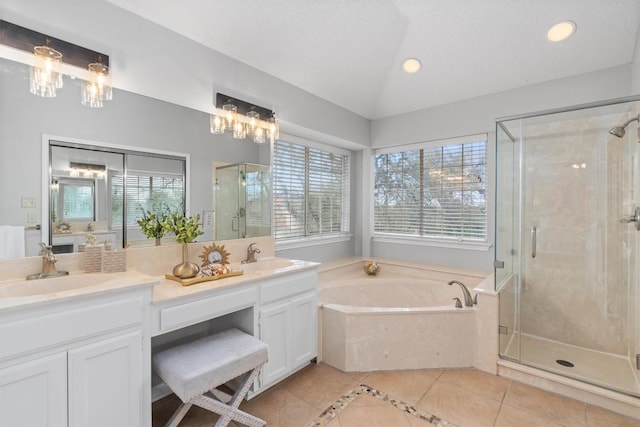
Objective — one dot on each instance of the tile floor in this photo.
(464, 397)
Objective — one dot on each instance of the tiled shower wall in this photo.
(577, 181)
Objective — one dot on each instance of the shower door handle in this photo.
(633, 218)
(534, 237)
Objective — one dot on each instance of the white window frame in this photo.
(432, 241)
(313, 240)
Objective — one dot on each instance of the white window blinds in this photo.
(433, 191)
(311, 191)
(145, 192)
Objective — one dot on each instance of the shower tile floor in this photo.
(460, 397)
(610, 370)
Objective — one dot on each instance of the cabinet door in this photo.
(304, 339)
(105, 383)
(34, 393)
(275, 331)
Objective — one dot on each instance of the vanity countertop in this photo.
(20, 293)
(167, 290)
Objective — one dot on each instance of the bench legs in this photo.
(228, 411)
(178, 415)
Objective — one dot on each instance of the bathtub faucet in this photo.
(468, 301)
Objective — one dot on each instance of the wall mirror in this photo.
(103, 191)
(135, 121)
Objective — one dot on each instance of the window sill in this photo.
(438, 243)
(311, 241)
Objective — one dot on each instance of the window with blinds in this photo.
(310, 191)
(436, 191)
(145, 192)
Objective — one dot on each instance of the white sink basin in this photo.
(26, 288)
(266, 264)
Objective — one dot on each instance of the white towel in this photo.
(11, 241)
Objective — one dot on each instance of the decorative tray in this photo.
(193, 281)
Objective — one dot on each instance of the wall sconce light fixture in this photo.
(48, 60)
(244, 120)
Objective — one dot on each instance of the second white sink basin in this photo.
(267, 264)
(71, 284)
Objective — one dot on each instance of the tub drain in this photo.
(565, 363)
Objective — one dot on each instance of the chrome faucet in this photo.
(468, 301)
(251, 254)
(48, 264)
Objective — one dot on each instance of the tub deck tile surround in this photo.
(404, 317)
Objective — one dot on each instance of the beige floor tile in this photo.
(598, 417)
(509, 417)
(459, 406)
(408, 386)
(417, 422)
(550, 406)
(487, 385)
(368, 400)
(320, 385)
(334, 423)
(372, 416)
(279, 408)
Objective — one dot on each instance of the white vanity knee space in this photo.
(278, 305)
(77, 362)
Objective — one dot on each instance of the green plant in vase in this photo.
(153, 225)
(186, 229)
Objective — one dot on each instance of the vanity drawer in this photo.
(63, 323)
(188, 313)
(281, 288)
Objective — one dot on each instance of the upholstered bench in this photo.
(195, 368)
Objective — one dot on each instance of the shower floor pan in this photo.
(603, 369)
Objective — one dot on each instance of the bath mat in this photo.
(332, 411)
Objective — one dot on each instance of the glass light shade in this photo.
(239, 130)
(217, 124)
(254, 118)
(98, 88)
(46, 75)
(273, 130)
(258, 136)
(229, 113)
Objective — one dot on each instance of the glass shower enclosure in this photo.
(567, 241)
(243, 201)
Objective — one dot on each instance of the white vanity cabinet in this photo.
(77, 363)
(288, 324)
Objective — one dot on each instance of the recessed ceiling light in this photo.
(561, 31)
(411, 65)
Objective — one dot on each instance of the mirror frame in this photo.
(97, 145)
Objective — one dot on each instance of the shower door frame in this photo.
(518, 233)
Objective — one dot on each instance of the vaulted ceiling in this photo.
(350, 52)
